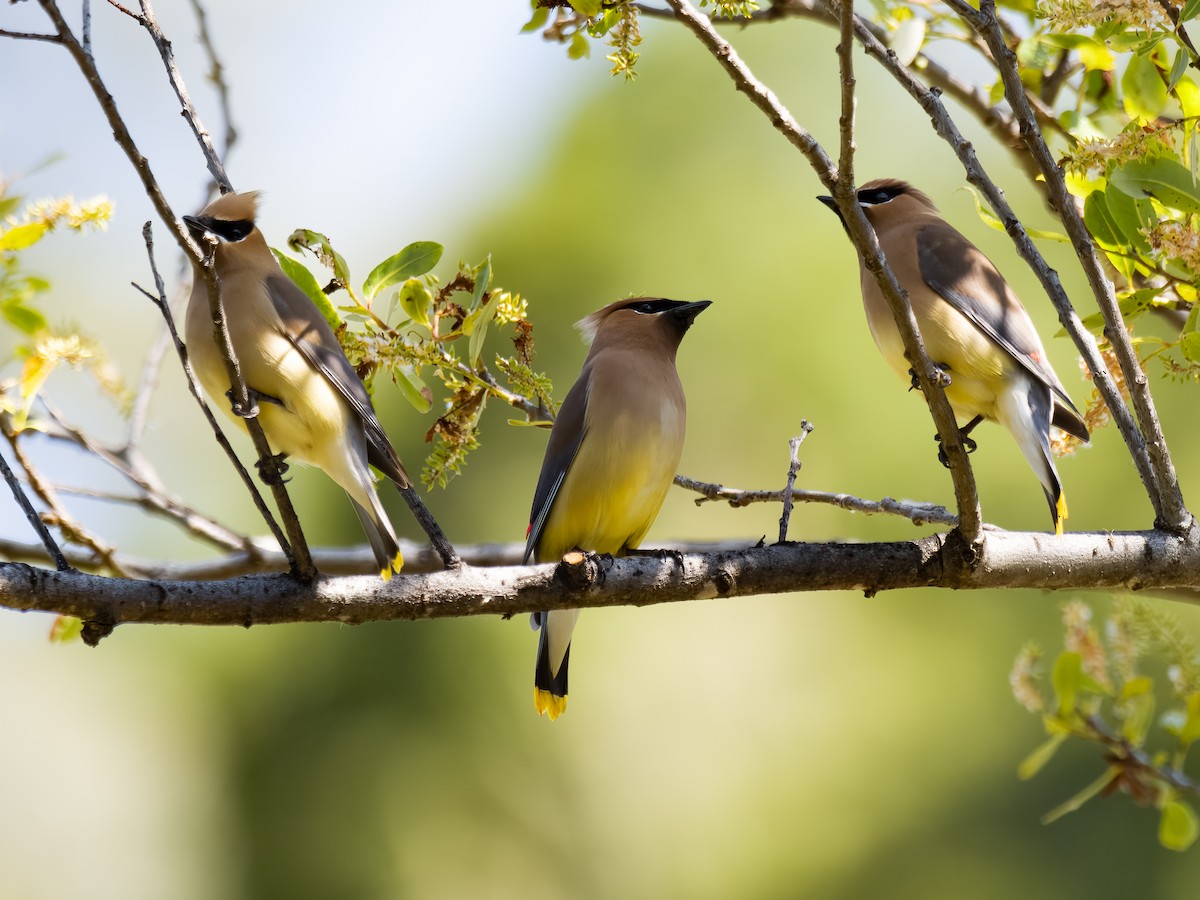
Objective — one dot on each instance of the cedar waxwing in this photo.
(611, 458)
(974, 328)
(312, 405)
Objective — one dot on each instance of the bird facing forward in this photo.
(313, 407)
(611, 458)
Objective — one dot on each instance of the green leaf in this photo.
(319, 244)
(9, 205)
(483, 280)
(1137, 713)
(587, 7)
(1130, 216)
(1083, 796)
(21, 236)
(479, 333)
(600, 26)
(1178, 68)
(1189, 11)
(1066, 678)
(1035, 761)
(415, 259)
(579, 46)
(66, 629)
(1178, 826)
(413, 388)
(304, 279)
(1144, 92)
(1164, 179)
(1190, 732)
(1190, 345)
(1093, 54)
(415, 301)
(24, 318)
(990, 220)
(539, 18)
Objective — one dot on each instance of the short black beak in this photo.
(197, 225)
(832, 204)
(688, 312)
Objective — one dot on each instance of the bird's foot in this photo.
(969, 446)
(676, 555)
(943, 371)
(255, 398)
(273, 470)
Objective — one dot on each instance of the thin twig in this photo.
(150, 22)
(150, 369)
(1153, 459)
(160, 300)
(152, 497)
(298, 549)
(71, 529)
(216, 75)
(863, 235)
(919, 513)
(30, 36)
(790, 485)
(975, 100)
(48, 543)
(944, 126)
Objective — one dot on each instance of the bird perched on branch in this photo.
(611, 458)
(312, 405)
(973, 326)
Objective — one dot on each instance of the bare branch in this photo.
(35, 521)
(790, 485)
(1077, 561)
(1161, 481)
(918, 512)
(194, 386)
(56, 512)
(30, 36)
(150, 23)
(863, 235)
(125, 141)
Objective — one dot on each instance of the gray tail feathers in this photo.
(1025, 410)
(381, 537)
(544, 679)
(1070, 421)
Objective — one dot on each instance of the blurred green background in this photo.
(823, 745)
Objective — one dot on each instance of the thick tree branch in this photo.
(1078, 561)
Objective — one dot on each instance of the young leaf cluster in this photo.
(39, 347)
(1101, 693)
(405, 323)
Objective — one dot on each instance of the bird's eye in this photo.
(232, 231)
(876, 197)
(646, 307)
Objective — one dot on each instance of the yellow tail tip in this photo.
(1061, 515)
(394, 566)
(549, 704)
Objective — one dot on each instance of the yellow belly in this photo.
(614, 488)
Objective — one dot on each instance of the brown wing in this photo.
(565, 439)
(966, 279)
(309, 333)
